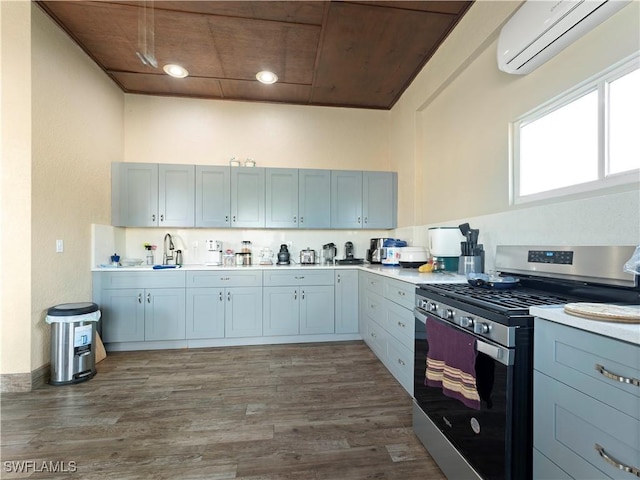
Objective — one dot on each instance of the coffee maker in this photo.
(377, 253)
(329, 252)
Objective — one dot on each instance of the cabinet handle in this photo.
(295, 294)
(162, 217)
(401, 363)
(234, 219)
(617, 378)
(220, 295)
(139, 298)
(228, 296)
(299, 278)
(226, 219)
(358, 220)
(401, 294)
(302, 294)
(373, 335)
(153, 217)
(294, 219)
(338, 278)
(620, 466)
(400, 324)
(301, 219)
(366, 219)
(148, 297)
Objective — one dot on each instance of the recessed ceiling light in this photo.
(267, 77)
(175, 70)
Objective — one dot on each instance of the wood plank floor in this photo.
(278, 412)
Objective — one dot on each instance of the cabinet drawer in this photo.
(402, 293)
(400, 324)
(148, 279)
(545, 469)
(376, 338)
(569, 424)
(400, 363)
(279, 278)
(374, 307)
(225, 278)
(571, 356)
(374, 283)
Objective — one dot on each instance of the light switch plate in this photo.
(59, 246)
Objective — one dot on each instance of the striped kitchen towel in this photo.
(451, 363)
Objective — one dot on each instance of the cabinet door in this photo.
(205, 313)
(314, 198)
(247, 197)
(346, 297)
(379, 199)
(243, 312)
(317, 309)
(176, 195)
(134, 194)
(280, 312)
(213, 196)
(346, 199)
(122, 315)
(164, 316)
(281, 207)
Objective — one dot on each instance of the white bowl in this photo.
(413, 254)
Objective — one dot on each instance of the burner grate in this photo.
(504, 300)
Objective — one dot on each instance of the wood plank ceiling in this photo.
(331, 53)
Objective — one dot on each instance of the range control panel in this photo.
(559, 257)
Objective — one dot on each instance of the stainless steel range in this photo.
(474, 353)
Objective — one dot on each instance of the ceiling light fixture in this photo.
(267, 77)
(175, 70)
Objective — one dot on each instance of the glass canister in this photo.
(246, 247)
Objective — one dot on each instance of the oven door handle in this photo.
(417, 312)
(497, 353)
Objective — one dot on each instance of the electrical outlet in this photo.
(59, 246)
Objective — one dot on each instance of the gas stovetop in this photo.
(515, 301)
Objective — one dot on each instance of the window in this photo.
(588, 138)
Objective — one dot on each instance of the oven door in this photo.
(483, 437)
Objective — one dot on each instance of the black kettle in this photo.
(283, 255)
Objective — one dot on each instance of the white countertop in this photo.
(410, 275)
(628, 332)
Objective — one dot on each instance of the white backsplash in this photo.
(192, 241)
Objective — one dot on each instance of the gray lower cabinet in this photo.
(122, 315)
(586, 406)
(224, 303)
(213, 196)
(346, 299)
(298, 302)
(164, 314)
(387, 323)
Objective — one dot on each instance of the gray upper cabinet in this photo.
(281, 207)
(363, 199)
(134, 194)
(151, 195)
(248, 197)
(314, 198)
(379, 200)
(346, 199)
(176, 191)
(213, 196)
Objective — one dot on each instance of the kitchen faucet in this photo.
(166, 257)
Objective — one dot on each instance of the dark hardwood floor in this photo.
(278, 412)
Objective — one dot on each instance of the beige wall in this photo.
(15, 187)
(77, 132)
(451, 126)
(210, 132)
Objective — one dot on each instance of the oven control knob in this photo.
(433, 307)
(448, 314)
(466, 322)
(423, 304)
(481, 328)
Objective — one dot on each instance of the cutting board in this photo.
(605, 312)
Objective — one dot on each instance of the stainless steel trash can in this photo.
(73, 340)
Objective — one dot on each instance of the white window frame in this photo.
(600, 83)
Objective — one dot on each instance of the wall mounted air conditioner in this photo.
(540, 29)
